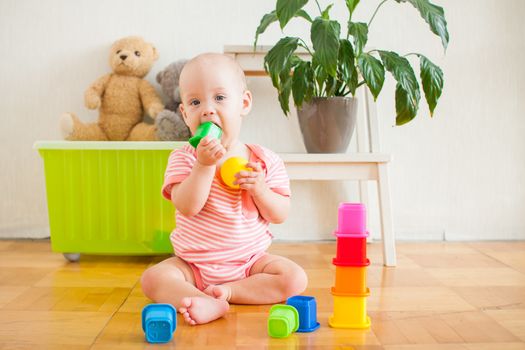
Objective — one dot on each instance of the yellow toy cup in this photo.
(349, 312)
(231, 167)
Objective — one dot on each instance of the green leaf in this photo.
(351, 5)
(285, 90)
(267, 19)
(432, 81)
(331, 85)
(271, 17)
(325, 40)
(286, 9)
(320, 76)
(300, 83)
(360, 33)
(276, 60)
(405, 109)
(434, 16)
(347, 67)
(373, 73)
(407, 89)
(400, 69)
(304, 14)
(326, 13)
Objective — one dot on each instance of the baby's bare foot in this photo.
(219, 292)
(199, 310)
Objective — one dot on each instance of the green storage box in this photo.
(105, 197)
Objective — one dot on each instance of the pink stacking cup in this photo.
(351, 219)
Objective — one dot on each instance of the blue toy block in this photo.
(307, 308)
(159, 321)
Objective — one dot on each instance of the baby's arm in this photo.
(191, 194)
(272, 206)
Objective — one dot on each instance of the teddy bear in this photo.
(121, 97)
(170, 123)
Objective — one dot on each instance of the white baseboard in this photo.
(420, 235)
(432, 235)
(34, 233)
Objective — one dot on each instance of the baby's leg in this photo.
(172, 281)
(272, 279)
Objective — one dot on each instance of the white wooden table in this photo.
(350, 166)
(361, 166)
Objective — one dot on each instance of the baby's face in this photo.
(213, 91)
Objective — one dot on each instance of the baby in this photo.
(222, 233)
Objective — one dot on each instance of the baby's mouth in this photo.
(215, 122)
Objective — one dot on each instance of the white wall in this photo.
(456, 176)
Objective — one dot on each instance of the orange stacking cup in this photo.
(350, 280)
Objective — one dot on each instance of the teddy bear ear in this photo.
(159, 76)
(155, 53)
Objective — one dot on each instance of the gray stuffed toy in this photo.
(170, 123)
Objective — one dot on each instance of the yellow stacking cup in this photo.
(349, 312)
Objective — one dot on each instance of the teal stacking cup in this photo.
(159, 321)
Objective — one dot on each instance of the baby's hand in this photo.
(210, 151)
(252, 181)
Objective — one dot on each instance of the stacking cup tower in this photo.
(350, 290)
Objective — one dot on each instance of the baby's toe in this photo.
(188, 319)
(186, 303)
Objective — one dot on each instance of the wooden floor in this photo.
(440, 296)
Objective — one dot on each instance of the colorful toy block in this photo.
(350, 280)
(307, 308)
(351, 219)
(205, 129)
(351, 251)
(159, 321)
(350, 290)
(283, 321)
(349, 312)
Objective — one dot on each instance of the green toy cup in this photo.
(283, 321)
(205, 129)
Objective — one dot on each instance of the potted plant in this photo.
(338, 64)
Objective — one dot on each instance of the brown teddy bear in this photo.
(121, 97)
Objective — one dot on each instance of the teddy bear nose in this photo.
(123, 57)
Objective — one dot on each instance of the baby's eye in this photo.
(137, 53)
(220, 97)
(194, 102)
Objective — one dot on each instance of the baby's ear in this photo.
(181, 109)
(246, 102)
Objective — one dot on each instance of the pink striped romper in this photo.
(224, 240)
